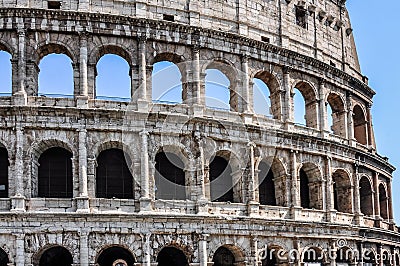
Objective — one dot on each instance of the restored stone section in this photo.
(294, 188)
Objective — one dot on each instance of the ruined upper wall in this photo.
(326, 37)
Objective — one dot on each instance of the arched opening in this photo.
(55, 173)
(113, 81)
(345, 256)
(172, 256)
(56, 256)
(329, 112)
(4, 164)
(383, 202)
(310, 187)
(266, 95)
(170, 177)
(261, 96)
(219, 94)
(360, 125)
(5, 73)
(56, 76)
(313, 257)
(224, 257)
(342, 192)
(221, 185)
(167, 83)
(267, 185)
(115, 256)
(113, 176)
(336, 115)
(3, 258)
(386, 258)
(397, 258)
(274, 256)
(305, 105)
(366, 196)
(369, 258)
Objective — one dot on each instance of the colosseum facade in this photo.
(101, 182)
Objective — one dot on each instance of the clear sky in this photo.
(376, 27)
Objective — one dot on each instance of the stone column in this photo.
(377, 212)
(295, 199)
(287, 105)
(198, 91)
(83, 70)
(246, 96)
(323, 116)
(370, 129)
(350, 122)
(143, 86)
(83, 199)
(202, 200)
(20, 97)
(20, 250)
(253, 205)
(18, 200)
(145, 200)
(203, 255)
(84, 249)
(390, 203)
(329, 187)
(146, 250)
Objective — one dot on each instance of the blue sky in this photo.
(376, 27)
(377, 33)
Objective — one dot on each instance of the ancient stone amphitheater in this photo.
(90, 181)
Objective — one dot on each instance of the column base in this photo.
(253, 209)
(202, 206)
(295, 212)
(20, 99)
(248, 117)
(18, 204)
(82, 204)
(143, 106)
(82, 101)
(197, 110)
(359, 219)
(145, 205)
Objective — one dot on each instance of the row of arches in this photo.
(226, 255)
(223, 180)
(113, 80)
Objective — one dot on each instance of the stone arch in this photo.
(235, 254)
(113, 144)
(274, 254)
(115, 49)
(369, 256)
(313, 254)
(274, 87)
(110, 254)
(186, 243)
(360, 123)
(383, 201)
(337, 104)
(346, 255)
(225, 179)
(342, 191)
(309, 95)
(311, 186)
(67, 255)
(229, 70)
(5, 46)
(167, 56)
(366, 196)
(4, 259)
(54, 48)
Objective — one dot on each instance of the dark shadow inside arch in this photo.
(366, 196)
(113, 177)
(115, 256)
(4, 164)
(342, 192)
(55, 173)
(171, 256)
(383, 202)
(269, 258)
(304, 190)
(267, 185)
(170, 177)
(3, 258)
(221, 185)
(360, 125)
(313, 257)
(224, 257)
(56, 256)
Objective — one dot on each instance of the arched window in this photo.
(305, 105)
(218, 93)
(221, 187)
(5, 73)
(113, 177)
(261, 96)
(113, 81)
(360, 125)
(383, 202)
(267, 185)
(366, 196)
(172, 256)
(115, 256)
(270, 258)
(342, 192)
(4, 164)
(3, 258)
(56, 256)
(313, 257)
(167, 83)
(310, 187)
(55, 173)
(56, 76)
(224, 257)
(336, 115)
(329, 118)
(170, 177)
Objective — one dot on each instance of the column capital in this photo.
(287, 69)
(142, 38)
